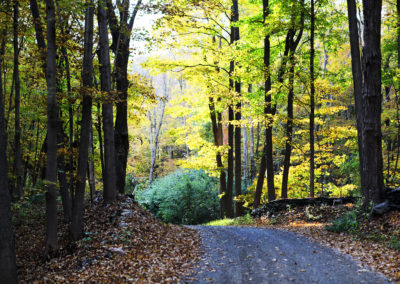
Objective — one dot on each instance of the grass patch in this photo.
(243, 220)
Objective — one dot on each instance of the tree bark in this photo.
(267, 163)
(121, 34)
(217, 133)
(357, 78)
(312, 103)
(8, 267)
(109, 175)
(372, 100)
(52, 124)
(76, 228)
(17, 184)
(293, 43)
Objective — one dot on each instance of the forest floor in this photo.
(375, 242)
(122, 244)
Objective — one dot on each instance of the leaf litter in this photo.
(122, 243)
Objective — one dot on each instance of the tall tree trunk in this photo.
(52, 124)
(372, 100)
(238, 156)
(293, 43)
(17, 185)
(357, 78)
(245, 154)
(229, 186)
(109, 176)
(217, 133)
(121, 33)
(312, 104)
(76, 228)
(266, 163)
(8, 267)
(289, 130)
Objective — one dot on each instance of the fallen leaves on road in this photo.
(122, 244)
(370, 248)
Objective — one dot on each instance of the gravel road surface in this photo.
(259, 255)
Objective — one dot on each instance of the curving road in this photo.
(258, 255)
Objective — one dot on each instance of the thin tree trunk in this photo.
(289, 130)
(109, 176)
(76, 228)
(252, 159)
(245, 154)
(17, 136)
(216, 127)
(154, 137)
(229, 187)
(372, 103)
(52, 124)
(8, 267)
(312, 103)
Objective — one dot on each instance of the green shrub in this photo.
(183, 197)
(347, 222)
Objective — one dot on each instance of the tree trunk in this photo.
(229, 186)
(267, 163)
(245, 155)
(17, 184)
(8, 267)
(155, 137)
(312, 104)
(372, 100)
(238, 156)
(293, 43)
(52, 124)
(121, 33)
(76, 228)
(289, 130)
(357, 78)
(217, 133)
(109, 176)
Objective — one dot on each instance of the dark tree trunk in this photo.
(312, 104)
(293, 43)
(39, 32)
(229, 187)
(52, 123)
(237, 129)
(238, 156)
(289, 130)
(267, 163)
(372, 100)
(17, 184)
(217, 133)
(99, 133)
(8, 267)
(87, 78)
(121, 33)
(357, 77)
(109, 177)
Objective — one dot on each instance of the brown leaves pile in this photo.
(370, 247)
(123, 244)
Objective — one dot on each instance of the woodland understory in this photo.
(120, 121)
